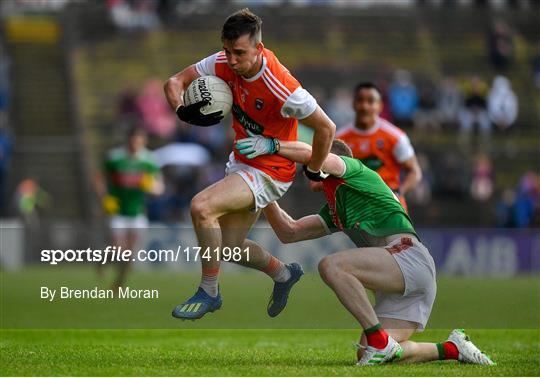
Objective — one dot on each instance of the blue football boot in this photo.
(279, 297)
(198, 305)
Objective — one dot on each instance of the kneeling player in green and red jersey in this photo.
(390, 259)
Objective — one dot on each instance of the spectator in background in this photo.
(156, 115)
(5, 157)
(518, 208)
(4, 82)
(29, 198)
(426, 117)
(482, 182)
(500, 45)
(502, 103)
(5, 138)
(449, 102)
(504, 209)
(536, 67)
(403, 98)
(452, 175)
(421, 193)
(128, 109)
(133, 15)
(527, 199)
(339, 107)
(474, 111)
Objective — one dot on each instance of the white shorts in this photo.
(121, 223)
(265, 189)
(418, 270)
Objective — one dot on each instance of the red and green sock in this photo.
(376, 336)
(447, 351)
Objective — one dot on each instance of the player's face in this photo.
(367, 105)
(243, 55)
(136, 142)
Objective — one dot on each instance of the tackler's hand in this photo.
(256, 145)
(314, 175)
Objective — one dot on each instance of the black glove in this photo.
(314, 176)
(192, 114)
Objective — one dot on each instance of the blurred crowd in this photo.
(465, 107)
(6, 141)
(519, 207)
(186, 154)
(144, 15)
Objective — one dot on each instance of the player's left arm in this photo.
(324, 131)
(413, 175)
(153, 184)
(290, 230)
(404, 153)
(302, 153)
(152, 179)
(296, 151)
(303, 106)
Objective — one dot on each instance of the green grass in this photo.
(461, 302)
(313, 336)
(240, 353)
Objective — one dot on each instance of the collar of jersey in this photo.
(258, 74)
(138, 155)
(370, 131)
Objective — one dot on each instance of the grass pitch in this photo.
(241, 353)
(313, 337)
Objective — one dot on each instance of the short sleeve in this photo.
(300, 104)
(152, 167)
(327, 221)
(352, 167)
(207, 66)
(150, 163)
(107, 165)
(403, 150)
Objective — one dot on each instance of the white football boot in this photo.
(374, 356)
(468, 352)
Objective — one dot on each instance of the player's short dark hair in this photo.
(136, 130)
(340, 148)
(366, 85)
(241, 23)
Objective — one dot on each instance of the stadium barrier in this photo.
(457, 252)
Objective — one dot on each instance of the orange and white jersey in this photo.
(383, 148)
(269, 104)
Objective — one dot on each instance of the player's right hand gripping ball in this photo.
(192, 114)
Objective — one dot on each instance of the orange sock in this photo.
(209, 281)
(277, 270)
